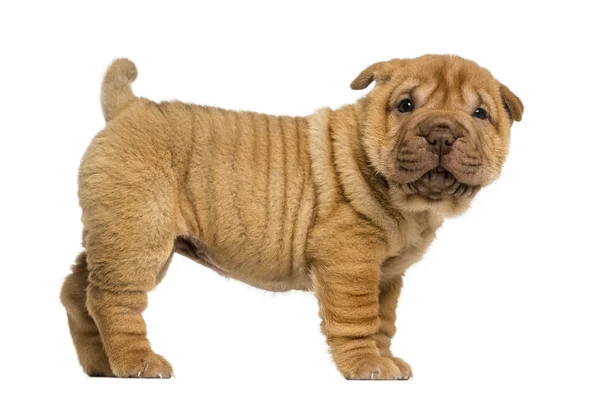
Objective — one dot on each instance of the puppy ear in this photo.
(512, 103)
(378, 72)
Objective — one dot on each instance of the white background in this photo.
(507, 298)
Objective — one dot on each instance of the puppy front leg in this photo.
(388, 301)
(347, 287)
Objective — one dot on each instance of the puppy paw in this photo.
(374, 368)
(144, 365)
(404, 368)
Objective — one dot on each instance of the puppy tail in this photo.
(116, 87)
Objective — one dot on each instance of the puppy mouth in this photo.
(438, 184)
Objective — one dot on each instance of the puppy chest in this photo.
(415, 237)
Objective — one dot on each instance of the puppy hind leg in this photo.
(84, 331)
(129, 241)
(120, 278)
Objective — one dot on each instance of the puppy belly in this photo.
(262, 277)
(195, 249)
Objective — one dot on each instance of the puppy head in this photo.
(436, 128)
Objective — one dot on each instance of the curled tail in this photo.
(116, 87)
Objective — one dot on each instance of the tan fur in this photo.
(281, 203)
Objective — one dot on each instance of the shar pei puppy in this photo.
(340, 203)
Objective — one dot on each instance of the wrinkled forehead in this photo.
(446, 83)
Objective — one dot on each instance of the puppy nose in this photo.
(441, 139)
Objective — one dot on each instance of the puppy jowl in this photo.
(340, 202)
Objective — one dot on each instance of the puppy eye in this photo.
(406, 105)
(480, 113)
